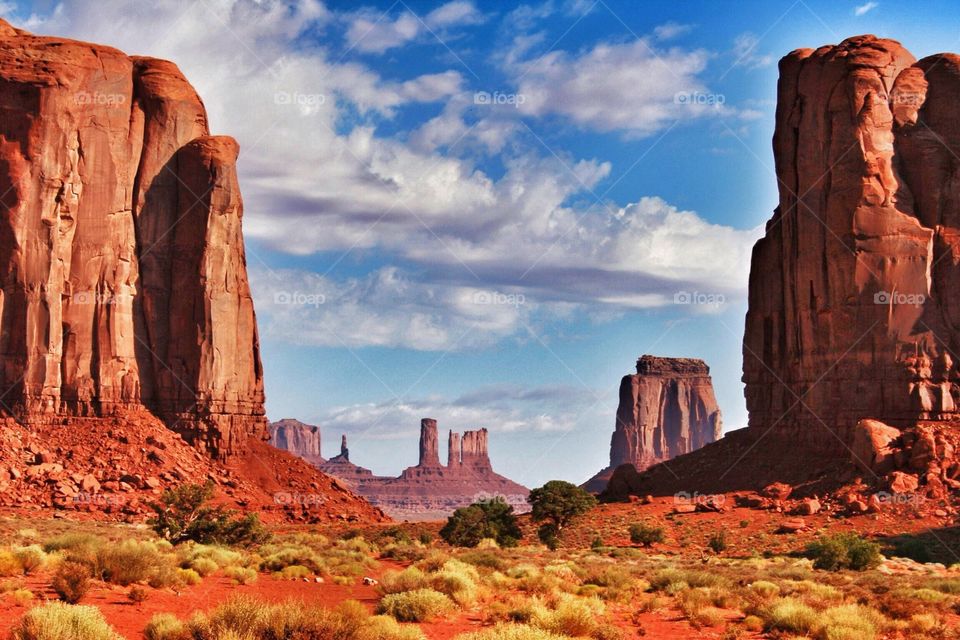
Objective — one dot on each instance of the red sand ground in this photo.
(129, 619)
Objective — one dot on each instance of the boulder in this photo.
(903, 483)
(872, 447)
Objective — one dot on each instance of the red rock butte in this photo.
(854, 292)
(123, 275)
(854, 303)
(666, 409)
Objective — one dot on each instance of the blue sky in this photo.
(483, 212)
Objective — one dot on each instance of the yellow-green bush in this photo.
(166, 626)
(419, 605)
(241, 575)
(60, 621)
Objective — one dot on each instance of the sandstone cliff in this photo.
(666, 409)
(123, 282)
(853, 308)
(300, 439)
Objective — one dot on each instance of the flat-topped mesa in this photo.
(124, 284)
(675, 367)
(666, 409)
(300, 439)
(853, 303)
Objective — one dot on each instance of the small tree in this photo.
(183, 513)
(487, 519)
(556, 504)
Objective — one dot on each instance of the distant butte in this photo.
(666, 409)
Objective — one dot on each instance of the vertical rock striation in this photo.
(853, 309)
(123, 283)
(429, 444)
(300, 439)
(666, 409)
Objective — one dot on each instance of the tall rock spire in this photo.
(429, 443)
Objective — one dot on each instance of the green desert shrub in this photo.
(185, 513)
(489, 519)
(844, 551)
(61, 621)
(555, 505)
(645, 534)
(419, 605)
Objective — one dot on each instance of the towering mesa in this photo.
(666, 409)
(123, 283)
(853, 310)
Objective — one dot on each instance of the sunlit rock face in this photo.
(667, 408)
(123, 284)
(854, 309)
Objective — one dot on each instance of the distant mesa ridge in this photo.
(429, 489)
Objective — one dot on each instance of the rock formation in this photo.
(129, 357)
(300, 439)
(341, 467)
(666, 409)
(123, 282)
(853, 309)
(429, 444)
(431, 490)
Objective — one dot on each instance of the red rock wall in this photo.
(666, 409)
(300, 439)
(853, 309)
(122, 265)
